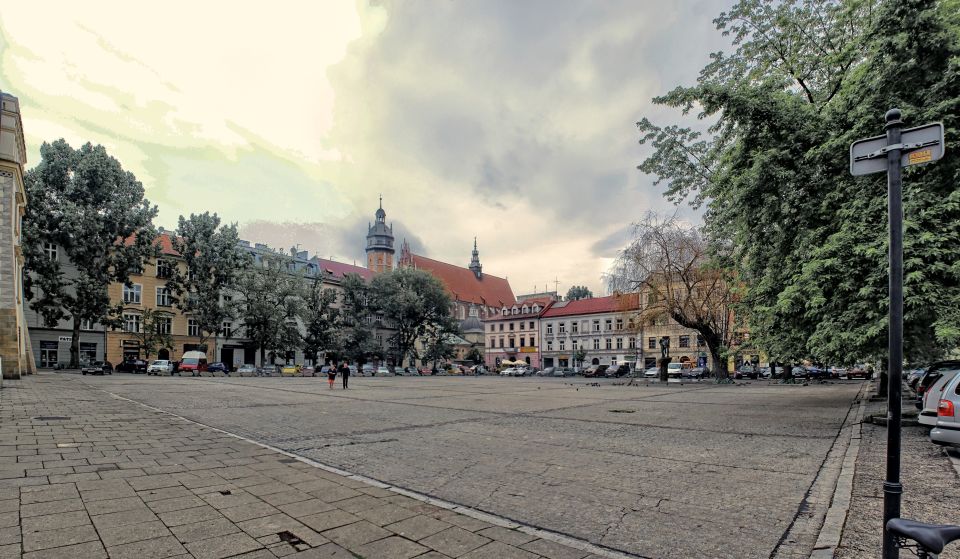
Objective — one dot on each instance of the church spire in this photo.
(475, 266)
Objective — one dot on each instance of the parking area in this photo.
(676, 470)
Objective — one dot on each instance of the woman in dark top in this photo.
(331, 375)
(345, 373)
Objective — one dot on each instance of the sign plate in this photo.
(922, 144)
(66, 338)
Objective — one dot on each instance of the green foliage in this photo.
(356, 338)
(578, 292)
(214, 264)
(414, 303)
(809, 240)
(83, 202)
(153, 334)
(475, 356)
(271, 301)
(320, 319)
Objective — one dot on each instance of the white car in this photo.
(652, 372)
(508, 372)
(931, 398)
(383, 372)
(160, 367)
(947, 430)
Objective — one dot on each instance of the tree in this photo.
(153, 333)
(95, 213)
(438, 340)
(320, 319)
(578, 292)
(807, 239)
(580, 356)
(270, 298)
(356, 337)
(672, 268)
(413, 302)
(475, 356)
(214, 264)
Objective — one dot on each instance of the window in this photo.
(536, 308)
(50, 250)
(700, 341)
(573, 345)
(549, 328)
(609, 343)
(651, 343)
(613, 361)
(228, 330)
(164, 269)
(522, 342)
(163, 297)
(596, 325)
(574, 327)
(193, 329)
(379, 338)
(86, 324)
(501, 327)
(684, 341)
(164, 325)
(227, 299)
(501, 342)
(526, 309)
(633, 343)
(532, 344)
(493, 343)
(531, 325)
(549, 345)
(619, 324)
(521, 325)
(131, 322)
(562, 343)
(608, 324)
(131, 294)
(596, 343)
(619, 343)
(491, 327)
(563, 327)
(511, 327)
(513, 342)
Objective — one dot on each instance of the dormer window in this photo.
(536, 308)
(503, 311)
(516, 310)
(525, 309)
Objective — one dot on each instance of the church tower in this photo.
(475, 266)
(380, 243)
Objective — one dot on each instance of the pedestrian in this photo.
(345, 373)
(331, 374)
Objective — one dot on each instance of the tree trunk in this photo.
(75, 344)
(773, 370)
(262, 357)
(787, 370)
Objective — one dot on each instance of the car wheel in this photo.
(84, 373)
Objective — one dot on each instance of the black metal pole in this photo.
(892, 489)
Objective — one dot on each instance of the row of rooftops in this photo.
(534, 308)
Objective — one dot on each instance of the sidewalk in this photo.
(87, 475)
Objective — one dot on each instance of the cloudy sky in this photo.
(512, 121)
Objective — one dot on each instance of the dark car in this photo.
(218, 367)
(97, 368)
(696, 372)
(620, 371)
(594, 371)
(746, 371)
(132, 366)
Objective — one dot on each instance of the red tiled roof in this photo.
(521, 316)
(163, 240)
(594, 305)
(464, 285)
(340, 269)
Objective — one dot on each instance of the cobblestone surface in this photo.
(698, 470)
(86, 475)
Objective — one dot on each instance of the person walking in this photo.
(331, 374)
(345, 373)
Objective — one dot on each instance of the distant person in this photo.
(331, 375)
(345, 373)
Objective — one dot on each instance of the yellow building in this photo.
(149, 291)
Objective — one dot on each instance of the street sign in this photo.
(897, 149)
(922, 144)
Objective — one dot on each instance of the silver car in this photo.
(947, 430)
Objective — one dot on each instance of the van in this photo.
(193, 362)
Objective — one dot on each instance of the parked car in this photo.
(508, 372)
(652, 372)
(746, 371)
(248, 370)
(218, 367)
(383, 371)
(290, 370)
(308, 371)
(701, 372)
(522, 372)
(426, 371)
(947, 429)
(367, 370)
(931, 397)
(594, 371)
(548, 372)
(622, 370)
(674, 370)
(932, 375)
(193, 362)
(97, 368)
(132, 366)
(859, 371)
(160, 367)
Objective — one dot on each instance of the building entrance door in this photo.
(226, 356)
(48, 356)
(163, 354)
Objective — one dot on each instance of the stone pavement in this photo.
(87, 475)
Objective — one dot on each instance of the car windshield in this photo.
(190, 361)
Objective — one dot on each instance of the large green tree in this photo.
(578, 292)
(270, 296)
(413, 303)
(83, 202)
(214, 264)
(152, 330)
(771, 169)
(356, 337)
(320, 319)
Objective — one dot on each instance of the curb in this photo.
(504, 522)
(833, 523)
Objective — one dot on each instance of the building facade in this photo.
(514, 334)
(15, 355)
(148, 290)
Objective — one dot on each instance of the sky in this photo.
(512, 122)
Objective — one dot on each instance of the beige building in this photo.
(15, 351)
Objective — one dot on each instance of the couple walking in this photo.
(344, 371)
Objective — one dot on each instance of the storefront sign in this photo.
(528, 350)
(66, 338)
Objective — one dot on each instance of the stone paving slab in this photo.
(115, 479)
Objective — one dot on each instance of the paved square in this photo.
(658, 471)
